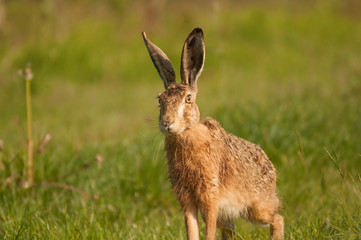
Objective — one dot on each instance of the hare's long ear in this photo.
(160, 61)
(192, 58)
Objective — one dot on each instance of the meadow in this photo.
(284, 75)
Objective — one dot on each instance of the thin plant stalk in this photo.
(30, 170)
(2, 167)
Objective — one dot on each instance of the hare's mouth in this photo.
(170, 128)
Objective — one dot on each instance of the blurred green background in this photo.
(283, 74)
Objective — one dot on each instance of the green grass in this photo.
(287, 77)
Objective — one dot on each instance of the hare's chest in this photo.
(191, 181)
(185, 174)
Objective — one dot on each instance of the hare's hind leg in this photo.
(277, 227)
(266, 212)
(227, 229)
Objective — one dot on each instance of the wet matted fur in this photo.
(223, 176)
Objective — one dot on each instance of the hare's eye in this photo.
(188, 99)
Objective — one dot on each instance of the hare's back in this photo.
(243, 157)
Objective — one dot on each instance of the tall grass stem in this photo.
(30, 164)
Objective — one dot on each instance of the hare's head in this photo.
(178, 109)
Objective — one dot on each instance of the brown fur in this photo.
(223, 176)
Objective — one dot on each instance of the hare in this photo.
(223, 176)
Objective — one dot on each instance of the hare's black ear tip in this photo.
(197, 30)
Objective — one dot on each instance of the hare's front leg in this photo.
(210, 217)
(191, 220)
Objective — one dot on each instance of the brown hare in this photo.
(223, 176)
